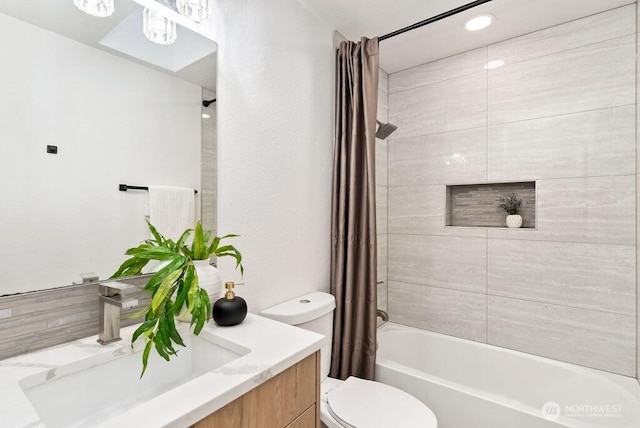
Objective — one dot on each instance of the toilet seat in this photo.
(359, 403)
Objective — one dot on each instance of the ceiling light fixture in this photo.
(196, 10)
(158, 28)
(479, 22)
(491, 65)
(205, 116)
(99, 8)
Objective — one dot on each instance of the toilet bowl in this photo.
(359, 403)
(354, 402)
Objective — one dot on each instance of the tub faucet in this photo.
(382, 314)
(111, 302)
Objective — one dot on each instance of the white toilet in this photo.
(353, 403)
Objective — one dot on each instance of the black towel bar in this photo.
(125, 187)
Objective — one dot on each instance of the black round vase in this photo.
(228, 312)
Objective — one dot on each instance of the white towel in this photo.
(171, 210)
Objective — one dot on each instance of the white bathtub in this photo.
(473, 385)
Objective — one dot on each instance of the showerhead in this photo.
(384, 130)
(208, 102)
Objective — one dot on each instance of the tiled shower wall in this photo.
(561, 112)
(381, 192)
(637, 195)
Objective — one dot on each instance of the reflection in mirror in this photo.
(88, 103)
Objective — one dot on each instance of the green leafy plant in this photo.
(510, 203)
(174, 288)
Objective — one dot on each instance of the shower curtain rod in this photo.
(434, 19)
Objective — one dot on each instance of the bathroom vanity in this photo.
(259, 373)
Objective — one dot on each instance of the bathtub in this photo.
(473, 385)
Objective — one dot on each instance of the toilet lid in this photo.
(359, 403)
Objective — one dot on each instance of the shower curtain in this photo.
(353, 222)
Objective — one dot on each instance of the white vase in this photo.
(209, 279)
(514, 221)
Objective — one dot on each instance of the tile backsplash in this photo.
(40, 319)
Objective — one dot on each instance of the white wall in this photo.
(114, 122)
(275, 85)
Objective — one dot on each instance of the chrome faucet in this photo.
(111, 302)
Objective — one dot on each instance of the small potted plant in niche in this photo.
(176, 291)
(510, 204)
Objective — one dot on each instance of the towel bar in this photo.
(125, 187)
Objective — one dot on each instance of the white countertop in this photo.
(273, 348)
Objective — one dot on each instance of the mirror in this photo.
(86, 104)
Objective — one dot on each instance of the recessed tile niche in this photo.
(476, 205)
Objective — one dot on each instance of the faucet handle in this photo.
(113, 288)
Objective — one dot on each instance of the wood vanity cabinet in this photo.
(290, 399)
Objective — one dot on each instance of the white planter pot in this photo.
(514, 220)
(209, 279)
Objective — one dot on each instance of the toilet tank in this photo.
(312, 312)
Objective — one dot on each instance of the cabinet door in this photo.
(279, 401)
(305, 420)
(230, 416)
(291, 399)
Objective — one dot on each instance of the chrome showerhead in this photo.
(384, 130)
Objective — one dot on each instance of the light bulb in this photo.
(158, 28)
(196, 10)
(99, 8)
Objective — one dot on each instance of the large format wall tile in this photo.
(593, 143)
(448, 68)
(638, 197)
(447, 158)
(382, 257)
(592, 77)
(586, 31)
(448, 262)
(381, 209)
(381, 162)
(453, 312)
(382, 300)
(383, 116)
(383, 80)
(596, 339)
(459, 103)
(590, 276)
(421, 210)
(594, 209)
(383, 106)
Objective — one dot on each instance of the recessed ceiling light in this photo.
(479, 22)
(205, 116)
(494, 64)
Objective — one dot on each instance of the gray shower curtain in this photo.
(353, 222)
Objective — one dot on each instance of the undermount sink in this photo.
(90, 391)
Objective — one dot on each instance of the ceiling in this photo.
(370, 18)
(191, 58)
